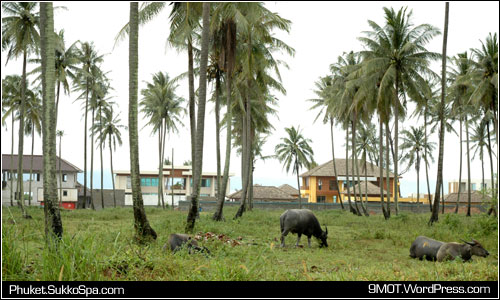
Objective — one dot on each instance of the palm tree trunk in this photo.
(192, 106)
(112, 173)
(418, 179)
(60, 173)
(217, 131)
(92, 163)
(160, 165)
(200, 119)
(142, 228)
(381, 171)
(85, 147)
(20, 183)
(57, 99)
(250, 184)
(12, 164)
(351, 208)
(355, 163)
(387, 163)
(435, 210)
(31, 163)
(100, 150)
(53, 223)
(334, 166)
(353, 154)
(468, 167)
(298, 182)
(493, 187)
(244, 159)
(460, 169)
(163, 147)
(218, 214)
(396, 138)
(426, 161)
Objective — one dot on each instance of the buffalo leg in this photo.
(283, 235)
(298, 239)
(309, 241)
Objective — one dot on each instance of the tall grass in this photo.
(99, 245)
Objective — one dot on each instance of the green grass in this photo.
(100, 246)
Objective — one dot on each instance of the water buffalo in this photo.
(426, 247)
(302, 221)
(178, 240)
(449, 251)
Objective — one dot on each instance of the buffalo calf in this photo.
(178, 240)
(450, 251)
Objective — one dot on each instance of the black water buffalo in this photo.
(449, 251)
(426, 247)
(302, 221)
(178, 240)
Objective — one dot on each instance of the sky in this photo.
(320, 32)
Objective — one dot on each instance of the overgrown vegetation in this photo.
(98, 245)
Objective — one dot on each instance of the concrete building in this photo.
(475, 185)
(177, 182)
(69, 176)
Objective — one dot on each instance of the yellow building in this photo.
(318, 184)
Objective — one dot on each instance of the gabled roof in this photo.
(326, 169)
(372, 189)
(265, 193)
(288, 189)
(475, 197)
(37, 163)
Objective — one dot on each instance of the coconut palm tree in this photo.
(398, 50)
(163, 108)
(21, 38)
(53, 223)
(33, 124)
(11, 99)
(110, 131)
(479, 141)
(295, 149)
(413, 145)
(85, 78)
(439, 181)
(141, 224)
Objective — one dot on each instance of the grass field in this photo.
(99, 245)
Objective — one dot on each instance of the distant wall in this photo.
(371, 207)
(108, 198)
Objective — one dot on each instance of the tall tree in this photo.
(294, 151)
(20, 36)
(163, 108)
(33, 124)
(435, 208)
(141, 224)
(398, 50)
(200, 121)
(60, 134)
(53, 222)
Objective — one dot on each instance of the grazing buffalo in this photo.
(449, 251)
(426, 247)
(302, 221)
(178, 240)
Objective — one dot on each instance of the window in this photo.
(205, 182)
(333, 185)
(320, 199)
(129, 183)
(334, 199)
(473, 187)
(154, 181)
(320, 184)
(65, 193)
(38, 177)
(65, 177)
(307, 181)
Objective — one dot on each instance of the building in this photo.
(318, 184)
(265, 194)
(290, 190)
(476, 185)
(177, 182)
(69, 175)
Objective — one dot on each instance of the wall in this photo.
(108, 198)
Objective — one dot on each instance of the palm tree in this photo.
(111, 131)
(365, 147)
(141, 224)
(295, 149)
(53, 223)
(60, 133)
(11, 99)
(398, 50)
(200, 121)
(439, 181)
(20, 36)
(33, 123)
(479, 140)
(414, 145)
(163, 108)
(84, 80)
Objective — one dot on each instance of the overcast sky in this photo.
(320, 32)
